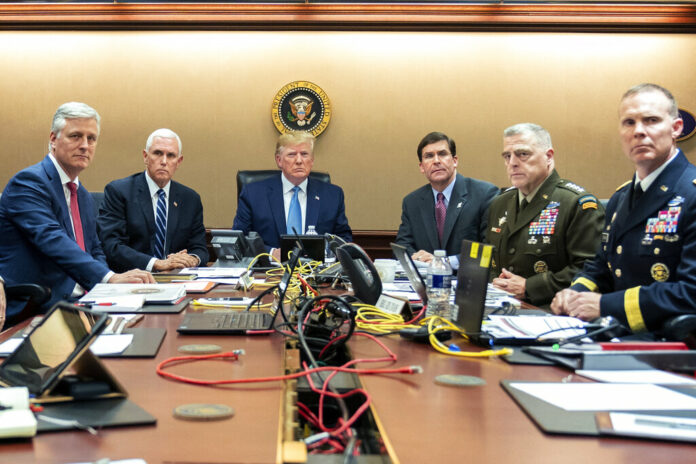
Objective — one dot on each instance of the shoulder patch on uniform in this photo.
(573, 187)
(628, 182)
(588, 202)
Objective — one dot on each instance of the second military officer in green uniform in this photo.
(544, 228)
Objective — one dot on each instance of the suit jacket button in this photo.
(511, 251)
(618, 273)
(656, 251)
(511, 268)
(619, 249)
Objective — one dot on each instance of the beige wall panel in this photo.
(387, 90)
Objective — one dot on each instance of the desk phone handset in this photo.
(367, 285)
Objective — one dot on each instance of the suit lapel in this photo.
(172, 215)
(428, 216)
(313, 204)
(58, 193)
(275, 202)
(457, 203)
(145, 204)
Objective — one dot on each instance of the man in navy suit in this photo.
(47, 223)
(644, 271)
(128, 224)
(461, 202)
(274, 206)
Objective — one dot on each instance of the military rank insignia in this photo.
(301, 106)
(546, 225)
(588, 202)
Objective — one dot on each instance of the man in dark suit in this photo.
(138, 229)
(291, 200)
(439, 215)
(47, 223)
(644, 271)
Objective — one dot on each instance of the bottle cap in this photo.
(440, 253)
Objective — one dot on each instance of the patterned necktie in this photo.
(160, 224)
(440, 215)
(75, 213)
(294, 213)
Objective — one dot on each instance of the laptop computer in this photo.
(472, 285)
(238, 322)
(51, 348)
(313, 246)
(411, 271)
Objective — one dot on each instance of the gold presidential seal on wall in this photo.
(659, 272)
(301, 106)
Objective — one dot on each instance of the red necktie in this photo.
(75, 213)
(440, 214)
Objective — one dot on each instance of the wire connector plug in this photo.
(416, 369)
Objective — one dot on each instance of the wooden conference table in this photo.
(424, 422)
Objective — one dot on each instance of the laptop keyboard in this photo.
(241, 320)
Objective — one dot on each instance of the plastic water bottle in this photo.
(439, 286)
(311, 230)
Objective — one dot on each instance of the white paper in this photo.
(644, 425)
(153, 293)
(117, 303)
(653, 376)
(534, 326)
(9, 345)
(111, 344)
(208, 272)
(608, 396)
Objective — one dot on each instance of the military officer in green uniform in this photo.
(544, 228)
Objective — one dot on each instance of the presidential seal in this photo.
(301, 106)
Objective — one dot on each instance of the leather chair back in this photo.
(247, 177)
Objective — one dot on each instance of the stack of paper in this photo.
(153, 293)
(17, 420)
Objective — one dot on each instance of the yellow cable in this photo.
(444, 324)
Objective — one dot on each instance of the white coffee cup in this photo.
(386, 269)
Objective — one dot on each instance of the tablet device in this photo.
(51, 348)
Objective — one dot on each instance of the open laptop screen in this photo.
(411, 271)
(51, 347)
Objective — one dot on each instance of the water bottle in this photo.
(311, 230)
(439, 286)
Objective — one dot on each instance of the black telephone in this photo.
(231, 246)
(367, 285)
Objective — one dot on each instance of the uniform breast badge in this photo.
(540, 267)
(659, 272)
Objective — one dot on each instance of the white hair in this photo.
(165, 134)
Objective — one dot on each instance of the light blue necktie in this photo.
(294, 214)
(160, 224)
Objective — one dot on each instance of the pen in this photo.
(666, 424)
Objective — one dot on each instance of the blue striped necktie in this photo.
(294, 214)
(160, 224)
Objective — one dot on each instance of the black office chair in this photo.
(35, 295)
(247, 177)
(681, 329)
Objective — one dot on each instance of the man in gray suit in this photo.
(438, 216)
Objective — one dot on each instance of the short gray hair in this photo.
(542, 136)
(72, 110)
(165, 134)
(648, 87)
